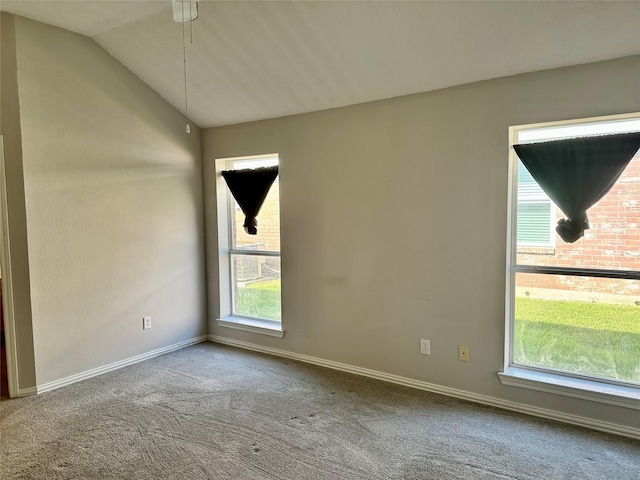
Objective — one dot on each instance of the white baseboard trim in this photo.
(431, 387)
(46, 387)
(26, 392)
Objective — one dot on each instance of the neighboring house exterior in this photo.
(612, 242)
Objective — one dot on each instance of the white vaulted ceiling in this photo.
(252, 60)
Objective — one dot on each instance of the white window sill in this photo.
(252, 325)
(621, 396)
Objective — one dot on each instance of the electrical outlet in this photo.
(146, 323)
(463, 353)
(425, 346)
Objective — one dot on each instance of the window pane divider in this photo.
(579, 272)
(258, 253)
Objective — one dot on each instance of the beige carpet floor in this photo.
(215, 412)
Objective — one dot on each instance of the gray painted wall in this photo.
(113, 194)
(394, 224)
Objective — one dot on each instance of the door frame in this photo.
(7, 284)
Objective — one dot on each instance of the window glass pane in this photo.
(583, 325)
(268, 236)
(612, 242)
(256, 286)
(528, 188)
(241, 164)
(535, 210)
(534, 226)
(602, 127)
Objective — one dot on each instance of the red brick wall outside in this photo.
(612, 242)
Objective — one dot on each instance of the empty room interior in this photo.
(320, 240)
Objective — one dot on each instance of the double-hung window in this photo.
(249, 265)
(573, 309)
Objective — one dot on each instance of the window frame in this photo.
(226, 251)
(611, 391)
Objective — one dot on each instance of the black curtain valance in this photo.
(577, 172)
(250, 187)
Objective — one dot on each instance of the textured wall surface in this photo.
(113, 191)
(394, 224)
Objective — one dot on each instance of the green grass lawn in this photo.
(260, 299)
(592, 338)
